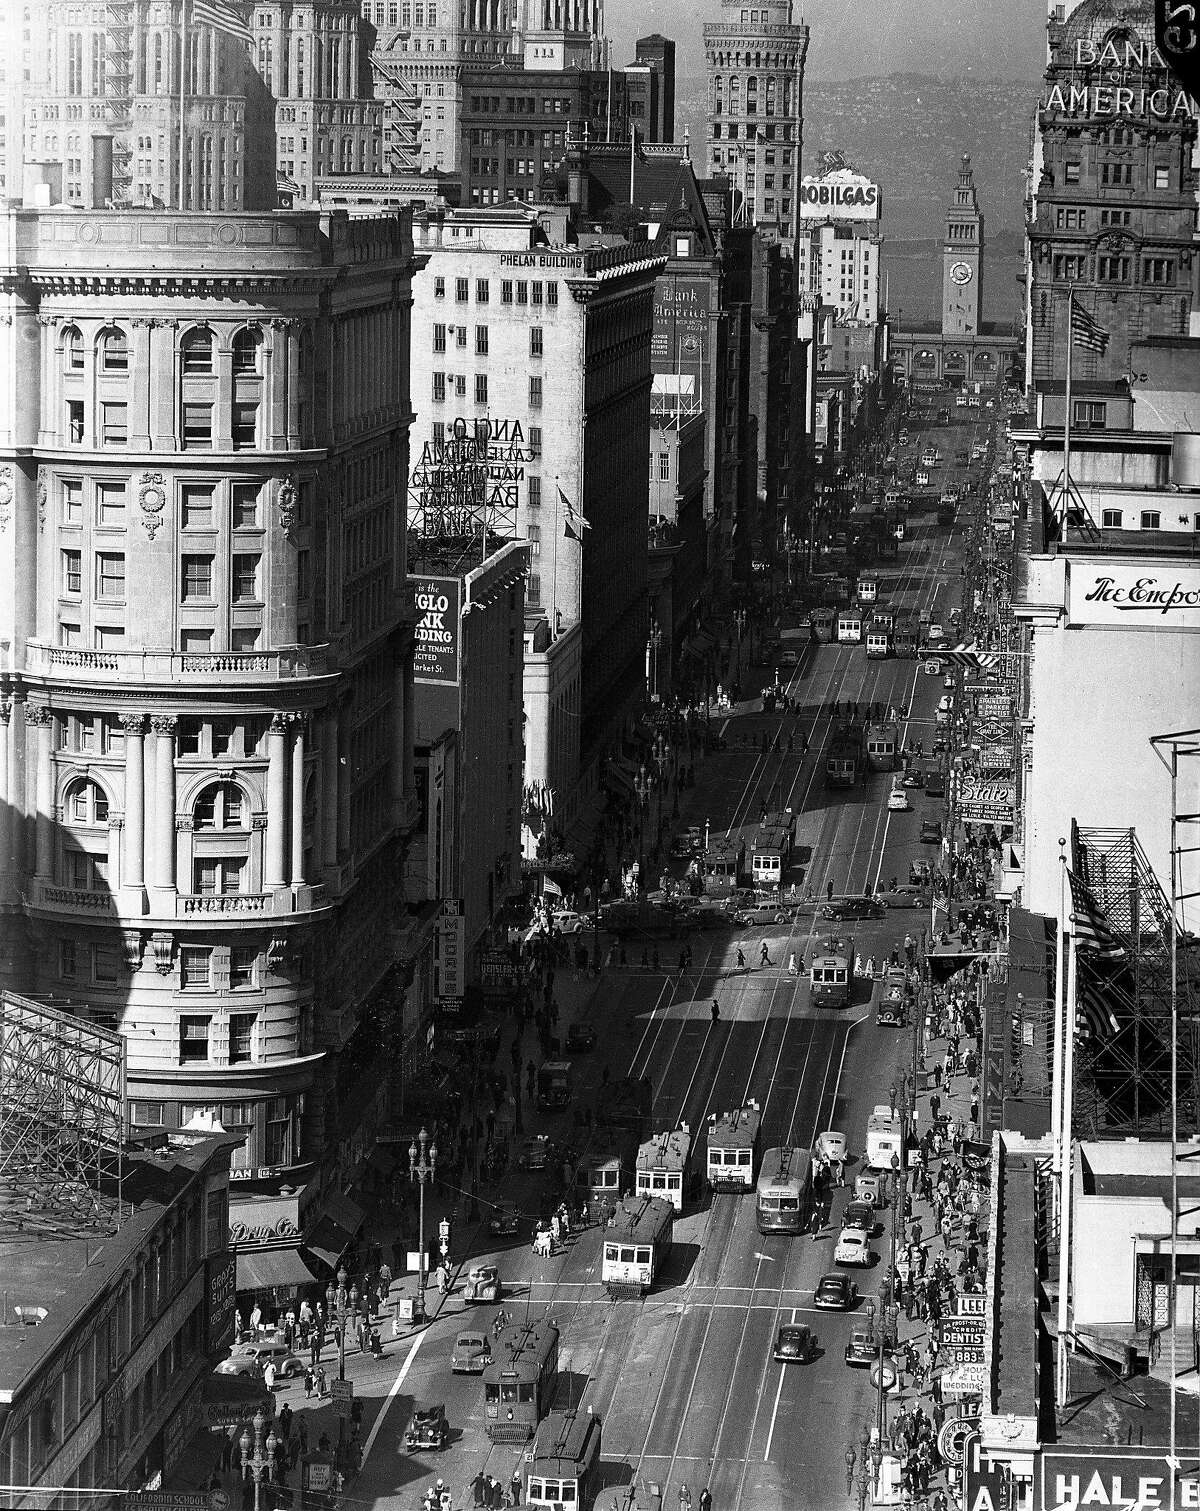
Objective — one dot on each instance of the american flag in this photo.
(1094, 1017)
(221, 16)
(1093, 932)
(969, 656)
(1086, 331)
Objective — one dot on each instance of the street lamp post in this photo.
(342, 1307)
(858, 1479)
(258, 1456)
(422, 1163)
(641, 785)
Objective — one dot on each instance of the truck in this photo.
(885, 1138)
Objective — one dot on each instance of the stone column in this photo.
(162, 847)
(40, 720)
(274, 867)
(7, 805)
(298, 802)
(134, 869)
(329, 777)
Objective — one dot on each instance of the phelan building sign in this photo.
(1103, 92)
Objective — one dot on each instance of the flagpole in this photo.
(1067, 417)
(183, 31)
(1056, 1084)
(1064, 1219)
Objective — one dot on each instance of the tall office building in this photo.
(755, 62)
(107, 99)
(206, 698)
(1111, 212)
(655, 57)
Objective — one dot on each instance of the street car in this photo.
(483, 1285)
(472, 1353)
(931, 832)
(853, 1247)
(863, 1348)
(794, 1344)
(835, 1293)
(842, 909)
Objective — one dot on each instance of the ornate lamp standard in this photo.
(342, 1306)
(422, 1163)
(868, 1455)
(642, 785)
(258, 1457)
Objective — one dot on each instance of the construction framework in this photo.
(62, 1122)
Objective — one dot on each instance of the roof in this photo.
(1127, 1169)
(640, 1219)
(666, 1151)
(1016, 1382)
(564, 1443)
(522, 1344)
(735, 1130)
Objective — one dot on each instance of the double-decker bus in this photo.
(844, 757)
(637, 1242)
(520, 1381)
(784, 1189)
(563, 1467)
(662, 1166)
(733, 1147)
(831, 974)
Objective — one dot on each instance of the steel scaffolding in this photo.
(62, 1122)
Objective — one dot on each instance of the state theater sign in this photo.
(1103, 90)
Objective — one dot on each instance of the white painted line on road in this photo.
(775, 1408)
(395, 1391)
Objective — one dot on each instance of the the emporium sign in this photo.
(1132, 596)
(469, 480)
(840, 195)
(436, 653)
(1129, 1478)
(1103, 70)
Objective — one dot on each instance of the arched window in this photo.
(114, 351)
(221, 806)
(245, 352)
(198, 351)
(85, 805)
(73, 347)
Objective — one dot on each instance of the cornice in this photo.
(164, 283)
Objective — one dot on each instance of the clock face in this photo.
(960, 272)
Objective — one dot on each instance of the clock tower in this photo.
(962, 259)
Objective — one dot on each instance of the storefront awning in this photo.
(343, 1211)
(230, 1400)
(259, 1270)
(328, 1243)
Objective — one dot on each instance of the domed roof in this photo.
(1097, 20)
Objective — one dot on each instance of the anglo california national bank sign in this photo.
(1122, 595)
(1077, 1479)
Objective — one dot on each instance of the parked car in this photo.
(931, 832)
(794, 1344)
(471, 1354)
(428, 1429)
(835, 1293)
(854, 1248)
(862, 1349)
(843, 909)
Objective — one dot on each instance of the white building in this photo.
(838, 243)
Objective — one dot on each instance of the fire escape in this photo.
(119, 95)
(402, 113)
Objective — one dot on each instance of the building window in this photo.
(535, 341)
(462, 290)
(1158, 270)
(114, 423)
(110, 506)
(221, 806)
(244, 637)
(110, 575)
(1068, 268)
(196, 581)
(1162, 176)
(245, 577)
(197, 427)
(114, 352)
(73, 346)
(535, 440)
(506, 291)
(86, 805)
(104, 965)
(72, 502)
(1151, 519)
(218, 876)
(195, 641)
(72, 572)
(482, 290)
(1111, 519)
(1116, 174)
(197, 507)
(439, 388)
(439, 339)
(245, 425)
(246, 348)
(460, 337)
(148, 1114)
(481, 388)
(439, 288)
(197, 351)
(535, 393)
(75, 421)
(1071, 173)
(241, 968)
(664, 466)
(66, 958)
(1088, 414)
(245, 506)
(1112, 269)
(193, 1027)
(241, 1037)
(481, 340)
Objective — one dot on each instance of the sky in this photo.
(995, 39)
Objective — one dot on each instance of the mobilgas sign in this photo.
(839, 196)
(1113, 1477)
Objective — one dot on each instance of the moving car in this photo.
(483, 1285)
(428, 1429)
(853, 1247)
(835, 1293)
(907, 897)
(944, 708)
(843, 908)
(859, 1214)
(862, 1349)
(505, 1219)
(581, 1037)
(794, 1344)
(472, 1353)
(870, 1187)
(832, 1145)
(897, 800)
(535, 1153)
(936, 632)
(914, 779)
(789, 657)
(760, 913)
(252, 1358)
(563, 922)
(931, 832)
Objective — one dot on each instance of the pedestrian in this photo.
(320, 1382)
(308, 1384)
(479, 1489)
(764, 958)
(269, 1376)
(705, 1501)
(716, 1011)
(741, 958)
(792, 964)
(828, 892)
(514, 1488)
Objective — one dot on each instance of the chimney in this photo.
(102, 171)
